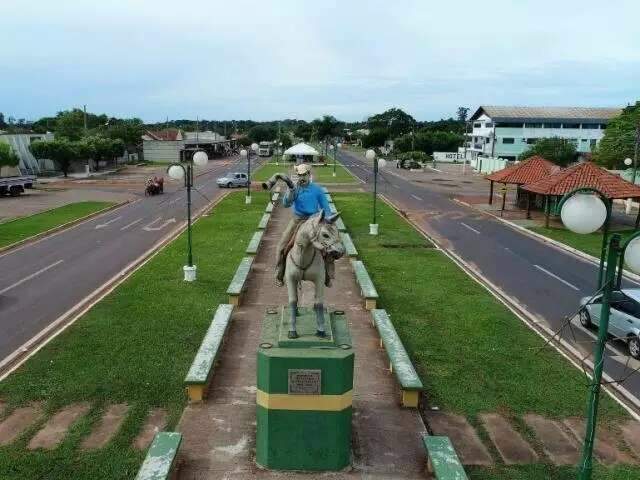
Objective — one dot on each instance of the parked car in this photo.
(624, 319)
(231, 180)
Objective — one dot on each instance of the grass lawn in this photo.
(472, 353)
(135, 347)
(590, 244)
(21, 228)
(322, 174)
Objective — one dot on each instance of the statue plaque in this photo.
(304, 382)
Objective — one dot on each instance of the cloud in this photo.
(268, 60)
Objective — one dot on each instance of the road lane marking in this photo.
(29, 277)
(570, 285)
(177, 199)
(394, 185)
(435, 169)
(470, 228)
(106, 224)
(149, 228)
(131, 224)
(416, 197)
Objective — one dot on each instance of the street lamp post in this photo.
(247, 155)
(377, 163)
(335, 157)
(628, 162)
(184, 170)
(584, 211)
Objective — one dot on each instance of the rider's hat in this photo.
(302, 169)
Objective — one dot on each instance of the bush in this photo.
(8, 158)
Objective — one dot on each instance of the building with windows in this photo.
(166, 146)
(507, 132)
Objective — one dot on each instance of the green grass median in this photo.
(22, 228)
(133, 347)
(321, 174)
(472, 353)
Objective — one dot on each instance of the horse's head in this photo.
(326, 237)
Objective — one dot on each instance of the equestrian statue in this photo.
(310, 243)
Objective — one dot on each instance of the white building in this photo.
(507, 132)
(165, 146)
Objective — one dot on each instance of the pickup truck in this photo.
(14, 186)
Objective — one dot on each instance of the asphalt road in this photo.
(41, 281)
(545, 280)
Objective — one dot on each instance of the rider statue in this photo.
(307, 199)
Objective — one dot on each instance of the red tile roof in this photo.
(585, 174)
(167, 135)
(528, 171)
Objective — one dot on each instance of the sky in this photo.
(267, 60)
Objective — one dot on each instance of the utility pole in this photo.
(84, 109)
(635, 154)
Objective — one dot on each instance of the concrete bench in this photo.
(442, 461)
(201, 369)
(348, 244)
(254, 243)
(340, 225)
(160, 462)
(239, 279)
(264, 221)
(333, 209)
(399, 361)
(269, 208)
(366, 285)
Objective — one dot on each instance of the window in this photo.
(477, 125)
(531, 141)
(552, 125)
(507, 140)
(488, 124)
(590, 126)
(592, 142)
(584, 140)
(603, 126)
(509, 125)
(487, 140)
(532, 125)
(570, 125)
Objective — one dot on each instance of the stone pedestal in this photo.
(304, 396)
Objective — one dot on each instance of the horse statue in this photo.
(315, 239)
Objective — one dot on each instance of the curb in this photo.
(59, 228)
(618, 393)
(42, 338)
(563, 246)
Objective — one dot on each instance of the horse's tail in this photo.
(269, 184)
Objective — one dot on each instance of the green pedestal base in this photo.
(304, 397)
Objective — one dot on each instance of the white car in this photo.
(231, 180)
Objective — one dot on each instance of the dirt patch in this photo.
(19, 421)
(57, 426)
(513, 449)
(109, 424)
(557, 445)
(156, 421)
(606, 445)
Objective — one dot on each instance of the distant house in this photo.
(507, 132)
(165, 146)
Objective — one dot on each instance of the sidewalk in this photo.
(219, 435)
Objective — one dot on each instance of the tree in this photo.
(70, 123)
(61, 151)
(304, 131)
(128, 130)
(100, 148)
(327, 126)
(462, 113)
(429, 141)
(3, 124)
(394, 120)
(557, 150)
(376, 138)
(262, 133)
(619, 138)
(8, 157)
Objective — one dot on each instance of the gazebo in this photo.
(528, 171)
(301, 149)
(582, 175)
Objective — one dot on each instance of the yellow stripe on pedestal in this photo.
(325, 403)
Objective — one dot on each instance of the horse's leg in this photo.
(292, 290)
(318, 304)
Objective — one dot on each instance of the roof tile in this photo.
(528, 171)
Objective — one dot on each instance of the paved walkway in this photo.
(219, 435)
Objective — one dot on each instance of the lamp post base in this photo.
(247, 199)
(334, 174)
(373, 229)
(189, 273)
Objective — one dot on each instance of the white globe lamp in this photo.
(382, 163)
(243, 153)
(632, 255)
(339, 145)
(176, 172)
(583, 213)
(370, 155)
(254, 147)
(200, 158)
(628, 162)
